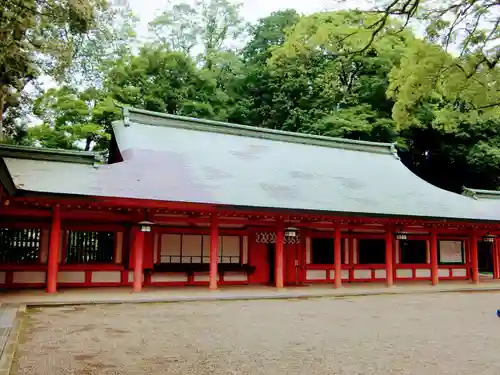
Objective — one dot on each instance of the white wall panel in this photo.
(380, 274)
(362, 274)
(423, 273)
(404, 273)
(27, 277)
(71, 277)
(444, 272)
(315, 274)
(106, 277)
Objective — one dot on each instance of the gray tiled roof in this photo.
(173, 158)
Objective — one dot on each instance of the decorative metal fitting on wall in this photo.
(270, 237)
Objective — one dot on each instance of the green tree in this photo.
(207, 24)
(458, 59)
(253, 90)
(324, 91)
(73, 119)
(50, 38)
(159, 79)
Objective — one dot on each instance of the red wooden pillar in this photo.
(474, 258)
(389, 267)
(139, 258)
(214, 252)
(337, 257)
(434, 258)
(494, 252)
(280, 249)
(55, 243)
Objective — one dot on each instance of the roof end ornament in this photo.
(469, 193)
(394, 151)
(126, 116)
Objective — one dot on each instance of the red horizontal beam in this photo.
(345, 221)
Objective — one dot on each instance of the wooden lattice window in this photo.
(84, 247)
(19, 246)
(194, 248)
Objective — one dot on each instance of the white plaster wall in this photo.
(71, 277)
(423, 273)
(444, 272)
(459, 272)
(235, 276)
(404, 273)
(380, 274)
(106, 277)
(362, 274)
(169, 277)
(27, 277)
(315, 274)
(355, 251)
(3, 277)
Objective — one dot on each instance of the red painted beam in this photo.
(53, 262)
(337, 257)
(214, 252)
(279, 251)
(389, 269)
(434, 258)
(474, 258)
(139, 258)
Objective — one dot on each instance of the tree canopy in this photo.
(360, 75)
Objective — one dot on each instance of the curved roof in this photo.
(210, 162)
(172, 158)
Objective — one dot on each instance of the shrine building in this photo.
(183, 201)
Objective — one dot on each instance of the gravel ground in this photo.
(407, 334)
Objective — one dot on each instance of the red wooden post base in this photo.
(214, 252)
(280, 246)
(389, 277)
(139, 258)
(434, 259)
(496, 270)
(337, 258)
(55, 242)
(474, 259)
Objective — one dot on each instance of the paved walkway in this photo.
(182, 294)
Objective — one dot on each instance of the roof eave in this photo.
(47, 154)
(480, 193)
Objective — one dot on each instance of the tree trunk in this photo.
(2, 101)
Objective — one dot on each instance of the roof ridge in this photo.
(48, 154)
(142, 116)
